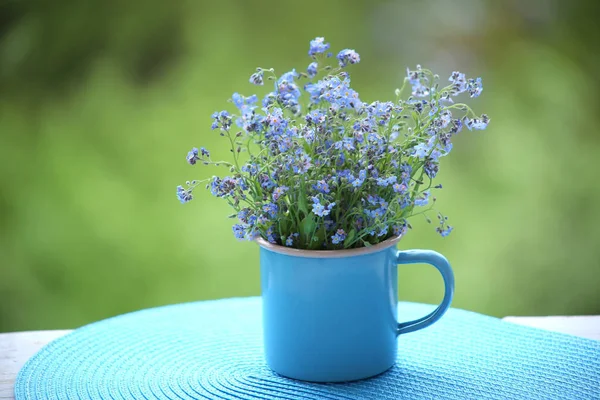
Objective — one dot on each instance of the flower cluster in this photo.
(316, 167)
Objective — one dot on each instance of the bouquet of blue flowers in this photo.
(317, 168)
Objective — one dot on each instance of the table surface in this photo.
(16, 348)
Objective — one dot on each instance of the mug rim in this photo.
(328, 253)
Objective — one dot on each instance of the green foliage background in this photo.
(100, 101)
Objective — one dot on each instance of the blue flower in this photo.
(315, 90)
(339, 237)
(474, 87)
(288, 77)
(225, 187)
(271, 235)
(431, 168)
(444, 146)
(340, 160)
(250, 122)
(346, 143)
(383, 231)
(250, 169)
(381, 111)
(312, 69)
(257, 78)
(276, 122)
(430, 150)
(456, 126)
(239, 231)
(365, 125)
(284, 143)
(243, 214)
(375, 138)
(266, 182)
(302, 164)
(359, 223)
(348, 56)
(422, 201)
(421, 150)
(315, 117)
(248, 119)
(318, 46)
(322, 186)
(319, 209)
(405, 173)
(335, 91)
(192, 156)
(362, 175)
(290, 239)
(444, 232)
(418, 105)
(400, 188)
(376, 213)
(477, 123)
(244, 103)
(270, 98)
(271, 209)
(221, 120)
(308, 134)
(400, 229)
(459, 83)
(385, 182)
(445, 118)
(183, 195)
(419, 82)
(457, 77)
(278, 192)
(287, 91)
(404, 201)
(395, 133)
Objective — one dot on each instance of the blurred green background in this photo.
(101, 100)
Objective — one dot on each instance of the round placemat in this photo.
(213, 350)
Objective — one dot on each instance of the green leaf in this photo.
(306, 147)
(302, 203)
(284, 226)
(307, 226)
(318, 239)
(350, 237)
(415, 116)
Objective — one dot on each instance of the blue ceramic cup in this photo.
(331, 316)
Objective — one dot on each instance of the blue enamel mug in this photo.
(331, 316)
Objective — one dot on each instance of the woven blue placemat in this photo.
(213, 350)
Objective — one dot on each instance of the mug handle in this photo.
(439, 261)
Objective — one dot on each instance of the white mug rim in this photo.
(328, 253)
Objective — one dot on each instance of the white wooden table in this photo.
(16, 348)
